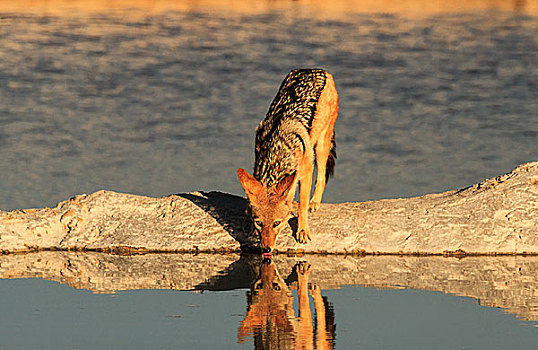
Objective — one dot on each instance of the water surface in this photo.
(156, 102)
(147, 301)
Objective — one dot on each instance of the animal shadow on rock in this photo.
(240, 275)
(230, 212)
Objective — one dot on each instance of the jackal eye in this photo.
(276, 286)
(276, 223)
(258, 222)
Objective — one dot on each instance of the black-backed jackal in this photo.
(298, 127)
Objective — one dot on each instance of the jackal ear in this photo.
(285, 185)
(251, 186)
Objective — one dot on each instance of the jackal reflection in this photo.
(271, 319)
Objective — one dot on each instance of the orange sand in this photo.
(322, 8)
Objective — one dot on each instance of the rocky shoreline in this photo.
(496, 216)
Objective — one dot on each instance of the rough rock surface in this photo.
(498, 215)
(509, 282)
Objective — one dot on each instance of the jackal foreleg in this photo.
(323, 149)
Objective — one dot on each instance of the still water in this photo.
(164, 98)
(171, 301)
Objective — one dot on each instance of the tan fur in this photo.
(271, 206)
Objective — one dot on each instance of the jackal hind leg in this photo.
(323, 149)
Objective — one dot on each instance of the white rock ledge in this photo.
(496, 216)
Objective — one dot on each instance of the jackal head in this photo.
(269, 207)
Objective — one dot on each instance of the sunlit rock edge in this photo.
(496, 216)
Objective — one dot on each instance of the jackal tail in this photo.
(331, 161)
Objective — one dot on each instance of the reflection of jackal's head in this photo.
(269, 318)
(269, 207)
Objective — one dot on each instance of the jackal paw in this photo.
(302, 268)
(303, 235)
(315, 291)
(314, 206)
